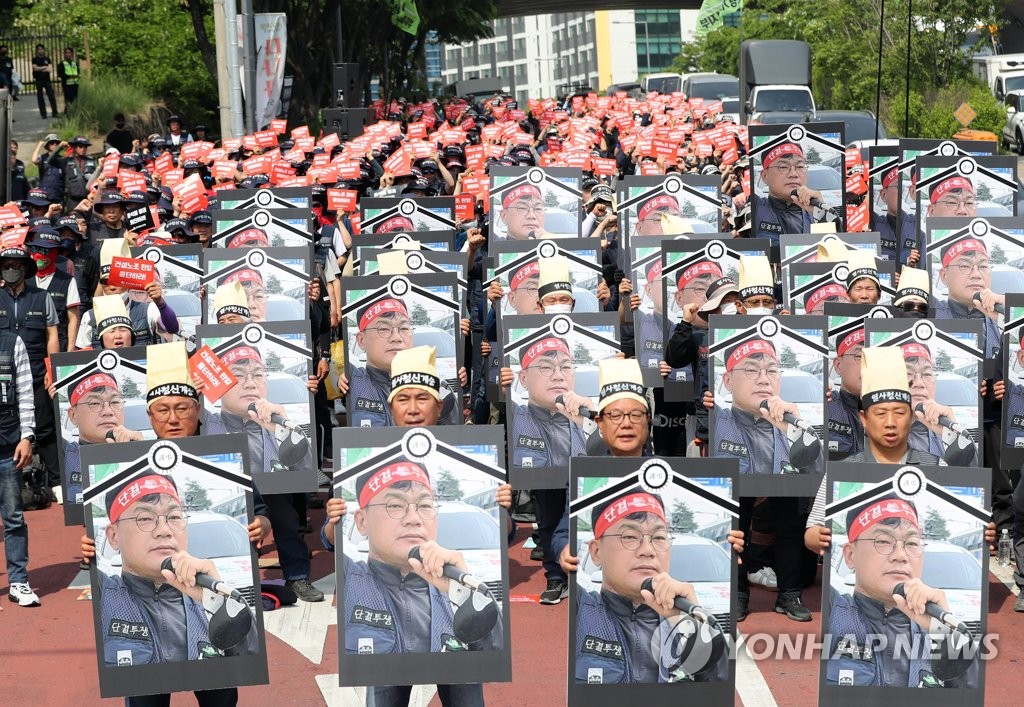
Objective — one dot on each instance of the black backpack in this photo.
(35, 494)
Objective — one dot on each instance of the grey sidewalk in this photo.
(29, 128)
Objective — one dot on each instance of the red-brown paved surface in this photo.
(47, 654)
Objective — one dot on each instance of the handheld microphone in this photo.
(207, 582)
(584, 411)
(278, 420)
(815, 201)
(945, 421)
(791, 419)
(999, 307)
(944, 617)
(685, 605)
(454, 573)
(111, 436)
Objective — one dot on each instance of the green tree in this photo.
(982, 192)
(997, 255)
(420, 315)
(171, 281)
(272, 362)
(277, 241)
(688, 210)
(448, 486)
(551, 200)
(581, 355)
(788, 358)
(843, 35)
(196, 498)
(935, 525)
(682, 518)
(130, 389)
(273, 285)
(943, 362)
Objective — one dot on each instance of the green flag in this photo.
(712, 13)
(405, 16)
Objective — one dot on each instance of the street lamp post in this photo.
(647, 39)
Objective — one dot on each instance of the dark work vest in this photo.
(25, 315)
(58, 289)
(10, 425)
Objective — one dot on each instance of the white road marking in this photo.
(750, 683)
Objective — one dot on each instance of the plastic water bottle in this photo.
(1005, 549)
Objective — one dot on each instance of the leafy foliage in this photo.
(844, 37)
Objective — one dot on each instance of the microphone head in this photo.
(648, 585)
(560, 400)
(764, 405)
(917, 408)
(252, 407)
(110, 435)
(898, 591)
(976, 297)
(167, 564)
(794, 192)
(414, 554)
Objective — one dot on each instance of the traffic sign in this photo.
(965, 114)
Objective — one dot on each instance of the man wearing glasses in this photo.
(896, 227)
(97, 410)
(787, 207)
(845, 429)
(926, 434)
(967, 273)
(395, 604)
(148, 614)
(385, 329)
(255, 291)
(886, 548)
(649, 215)
(522, 212)
(765, 444)
(953, 196)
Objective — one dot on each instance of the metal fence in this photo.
(23, 47)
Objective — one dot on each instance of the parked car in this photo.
(212, 536)
(948, 567)
(471, 530)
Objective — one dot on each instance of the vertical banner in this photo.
(271, 44)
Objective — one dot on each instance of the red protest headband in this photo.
(243, 275)
(625, 506)
(850, 340)
(241, 353)
(389, 476)
(951, 184)
(654, 272)
(877, 512)
(890, 177)
(750, 348)
(822, 294)
(395, 223)
(542, 347)
(916, 351)
(705, 267)
(520, 192)
(783, 150)
(91, 383)
(656, 204)
(967, 245)
(141, 487)
(375, 311)
(524, 273)
(249, 236)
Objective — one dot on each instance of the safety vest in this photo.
(729, 441)
(373, 625)
(70, 72)
(58, 289)
(130, 639)
(10, 427)
(25, 315)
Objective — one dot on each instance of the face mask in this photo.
(729, 308)
(759, 311)
(45, 265)
(558, 309)
(13, 276)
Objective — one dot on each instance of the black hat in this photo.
(174, 119)
(20, 253)
(200, 217)
(45, 237)
(428, 165)
(79, 141)
(109, 198)
(137, 197)
(200, 126)
(37, 197)
(130, 159)
(37, 221)
(69, 223)
(191, 164)
(589, 182)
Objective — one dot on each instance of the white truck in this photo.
(775, 77)
(1002, 73)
